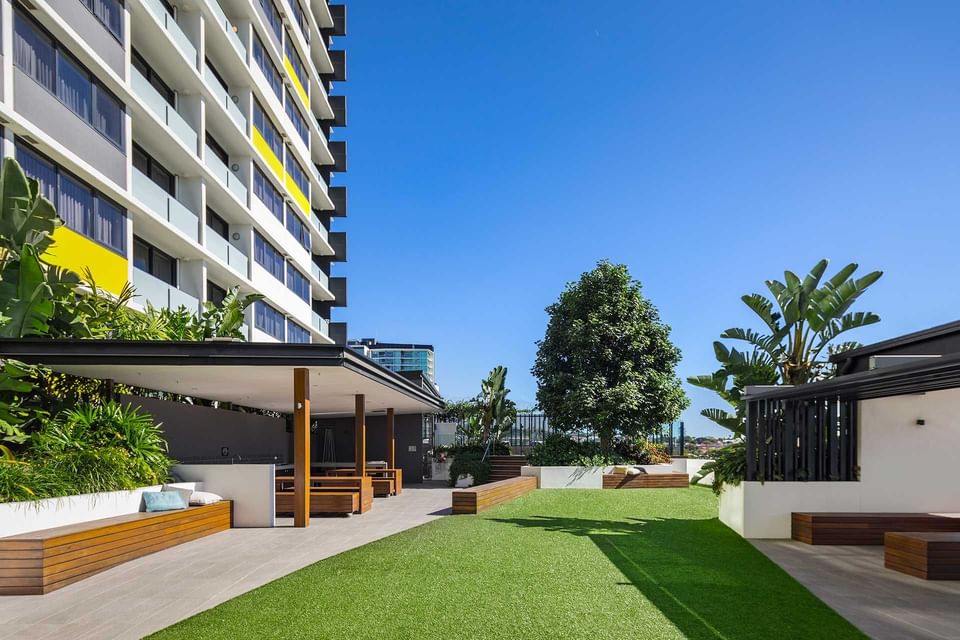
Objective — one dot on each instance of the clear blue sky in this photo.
(500, 149)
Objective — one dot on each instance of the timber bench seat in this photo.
(323, 485)
(321, 501)
(39, 562)
(931, 555)
(386, 482)
(865, 528)
(675, 480)
(487, 496)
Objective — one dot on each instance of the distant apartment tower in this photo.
(398, 356)
(187, 146)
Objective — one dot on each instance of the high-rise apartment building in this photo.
(398, 356)
(187, 146)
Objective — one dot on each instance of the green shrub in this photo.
(467, 462)
(88, 449)
(558, 450)
(729, 466)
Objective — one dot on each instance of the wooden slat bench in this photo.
(674, 480)
(386, 482)
(865, 528)
(933, 555)
(39, 562)
(319, 485)
(321, 501)
(487, 496)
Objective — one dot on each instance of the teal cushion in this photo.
(163, 500)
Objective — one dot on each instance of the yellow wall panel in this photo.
(298, 195)
(260, 144)
(296, 82)
(74, 251)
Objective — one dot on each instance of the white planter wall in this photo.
(565, 477)
(250, 486)
(21, 517)
(756, 510)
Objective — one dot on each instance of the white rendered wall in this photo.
(903, 467)
(250, 486)
(20, 517)
(565, 477)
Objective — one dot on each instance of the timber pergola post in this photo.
(391, 442)
(360, 427)
(301, 447)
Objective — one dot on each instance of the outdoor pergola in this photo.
(304, 380)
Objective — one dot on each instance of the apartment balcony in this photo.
(322, 230)
(224, 99)
(166, 206)
(228, 27)
(167, 114)
(227, 177)
(320, 324)
(160, 294)
(228, 254)
(320, 275)
(173, 29)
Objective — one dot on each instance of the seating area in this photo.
(473, 500)
(673, 480)
(328, 494)
(933, 555)
(865, 528)
(386, 481)
(42, 561)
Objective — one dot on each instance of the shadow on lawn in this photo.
(706, 580)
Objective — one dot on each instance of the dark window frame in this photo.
(277, 320)
(267, 66)
(221, 293)
(220, 226)
(300, 176)
(146, 69)
(268, 257)
(298, 283)
(152, 268)
(296, 118)
(296, 331)
(153, 163)
(298, 229)
(269, 131)
(262, 182)
(217, 148)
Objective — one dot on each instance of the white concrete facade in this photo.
(904, 467)
(203, 53)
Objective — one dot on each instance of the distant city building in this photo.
(399, 357)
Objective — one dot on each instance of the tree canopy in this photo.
(606, 361)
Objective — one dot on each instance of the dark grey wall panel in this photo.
(407, 429)
(199, 433)
(42, 108)
(93, 33)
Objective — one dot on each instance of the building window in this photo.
(218, 224)
(301, 18)
(109, 13)
(296, 333)
(269, 132)
(266, 65)
(268, 257)
(148, 258)
(40, 57)
(267, 194)
(146, 70)
(273, 17)
(216, 74)
(298, 174)
(217, 148)
(299, 122)
(82, 208)
(150, 167)
(298, 69)
(298, 229)
(268, 319)
(215, 293)
(298, 283)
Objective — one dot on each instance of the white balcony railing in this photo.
(164, 205)
(167, 114)
(160, 294)
(320, 275)
(320, 324)
(228, 254)
(322, 230)
(224, 98)
(228, 27)
(224, 175)
(179, 38)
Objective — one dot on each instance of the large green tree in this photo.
(606, 362)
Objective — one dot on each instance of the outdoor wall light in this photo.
(921, 422)
(299, 406)
(235, 236)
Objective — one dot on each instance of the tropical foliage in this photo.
(728, 466)
(89, 449)
(802, 321)
(606, 362)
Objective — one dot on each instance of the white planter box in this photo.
(691, 467)
(565, 477)
(762, 510)
(21, 517)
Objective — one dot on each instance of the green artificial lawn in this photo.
(640, 563)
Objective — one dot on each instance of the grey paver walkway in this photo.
(884, 604)
(153, 592)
